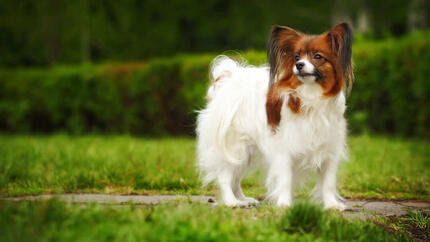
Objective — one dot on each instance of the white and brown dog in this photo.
(288, 116)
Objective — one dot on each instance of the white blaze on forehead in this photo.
(308, 68)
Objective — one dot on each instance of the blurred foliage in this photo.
(161, 96)
(47, 32)
(391, 91)
(157, 97)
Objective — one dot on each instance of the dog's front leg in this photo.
(279, 180)
(326, 185)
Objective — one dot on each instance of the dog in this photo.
(288, 116)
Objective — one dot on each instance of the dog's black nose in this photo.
(300, 65)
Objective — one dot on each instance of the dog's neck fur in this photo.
(312, 100)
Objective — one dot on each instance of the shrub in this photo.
(391, 93)
(160, 97)
(152, 99)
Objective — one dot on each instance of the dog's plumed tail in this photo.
(222, 68)
(213, 128)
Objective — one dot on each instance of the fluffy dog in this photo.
(288, 116)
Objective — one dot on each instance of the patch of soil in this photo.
(408, 227)
(374, 199)
(419, 233)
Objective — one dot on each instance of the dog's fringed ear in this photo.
(280, 49)
(340, 38)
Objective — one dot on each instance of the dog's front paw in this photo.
(251, 201)
(283, 203)
(335, 205)
(236, 203)
(284, 200)
(248, 202)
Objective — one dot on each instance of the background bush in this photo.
(391, 93)
(160, 96)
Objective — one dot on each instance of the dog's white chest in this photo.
(313, 135)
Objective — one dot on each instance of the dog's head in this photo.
(296, 58)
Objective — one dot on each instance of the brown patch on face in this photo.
(280, 52)
(319, 53)
(294, 103)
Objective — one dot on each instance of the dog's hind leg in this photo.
(226, 180)
(237, 190)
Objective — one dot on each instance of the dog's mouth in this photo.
(317, 74)
(306, 74)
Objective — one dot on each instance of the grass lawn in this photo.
(379, 167)
(179, 221)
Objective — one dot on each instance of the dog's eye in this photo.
(317, 56)
(297, 57)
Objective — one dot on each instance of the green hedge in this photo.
(390, 95)
(142, 98)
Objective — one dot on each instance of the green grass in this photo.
(179, 221)
(383, 167)
(379, 167)
(415, 224)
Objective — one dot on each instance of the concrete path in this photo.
(356, 208)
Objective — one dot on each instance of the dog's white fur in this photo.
(233, 134)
